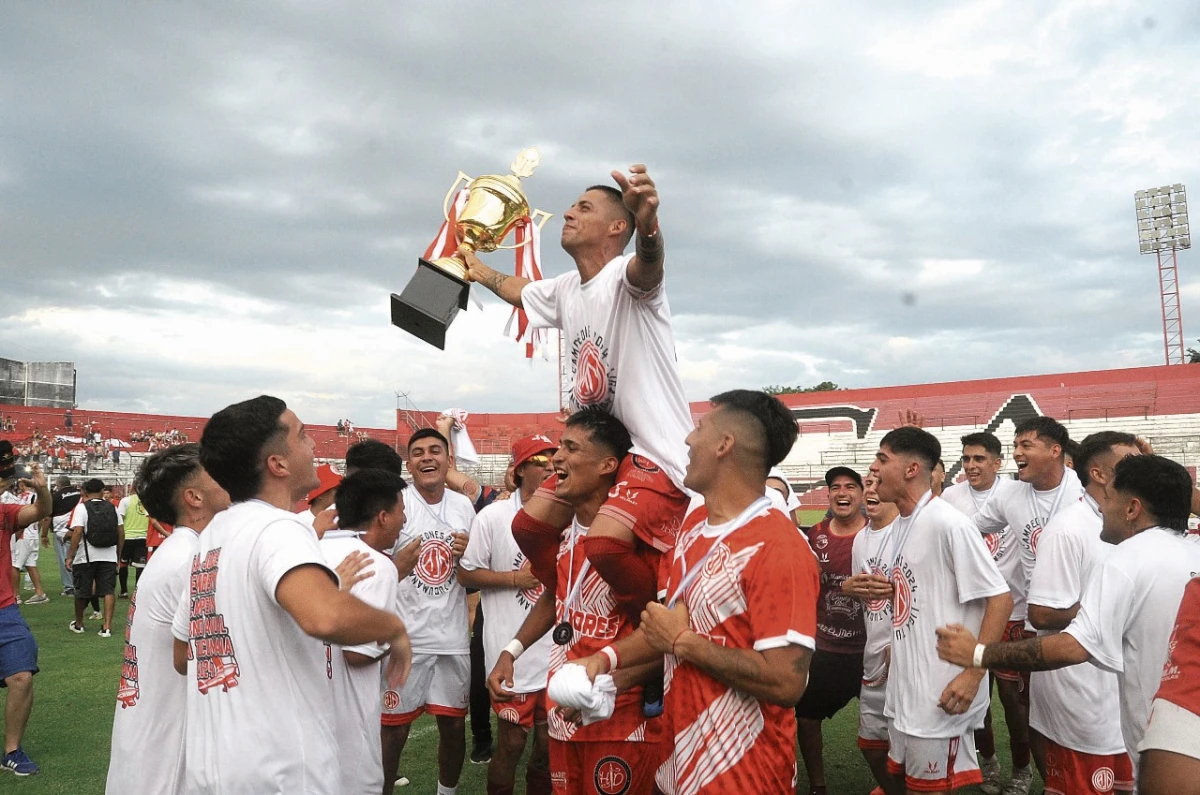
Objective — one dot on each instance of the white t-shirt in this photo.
(1025, 511)
(869, 555)
(431, 600)
(26, 498)
(152, 696)
(1067, 705)
(356, 688)
(942, 575)
(492, 548)
(1127, 613)
(85, 552)
(622, 354)
(261, 715)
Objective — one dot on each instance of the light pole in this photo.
(1163, 231)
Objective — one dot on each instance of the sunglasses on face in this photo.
(538, 460)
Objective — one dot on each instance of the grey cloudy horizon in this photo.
(200, 202)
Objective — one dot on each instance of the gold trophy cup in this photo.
(439, 289)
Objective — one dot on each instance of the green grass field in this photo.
(75, 696)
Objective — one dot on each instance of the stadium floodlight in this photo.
(1163, 230)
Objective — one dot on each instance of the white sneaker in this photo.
(1020, 781)
(37, 600)
(105, 633)
(991, 776)
(96, 616)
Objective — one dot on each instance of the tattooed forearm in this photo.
(494, 281)
(1022, 655)
(650, 250)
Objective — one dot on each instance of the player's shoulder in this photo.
(944, 514)
(459, 502)
(778, 534)
(497, 512)
(956, 491)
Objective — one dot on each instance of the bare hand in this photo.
(910, 418)
(459, 545)
(1144, 447)
(570, 715)
(445, 425)
(595, 665)
(476, 270)
(956, 645)
(960, 693)
(663, 627)
(399, 661)
(36, 479)
(523, 578)
(354, 568)
(406, 557)
(868, 587)
(325, 521)
(500, 680)
(640, 197)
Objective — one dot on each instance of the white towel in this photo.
(570, 687)
(464, 449)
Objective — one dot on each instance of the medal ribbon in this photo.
(690, 574)
(898, 541)
(529, 254)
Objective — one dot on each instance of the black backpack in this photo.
(101, 530)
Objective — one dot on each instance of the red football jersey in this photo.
(1181, 674)
(595, 622)
(757, 590)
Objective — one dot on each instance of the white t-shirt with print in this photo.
(85, 552)
(31, 532)
(1068, 705)
(1002, 545)
(261, 714)
(622, 355)
(356, 688)
(492, 548)
(1025, 511)
(152, 696)
(869, 555)
(1127, 613)
(431, 600)
(943, 574)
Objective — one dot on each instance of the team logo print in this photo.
(509, 715)
(1104, 779)
(993, 543)
(613, 776)
(902, 600)
(821, 541)
(595, 381)
(436, 563)
(210, 644)
(527, 597)
(391, 699)
(716, 561)
(643, 463)
(877, 605)
(128, 692)
(1034, 537)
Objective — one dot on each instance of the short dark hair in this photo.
(1163, 486)
(604, 429)
(427, 433)
(1047, 429)
(985, 439)
(93, 486)
(618, 200)
(918, 442)
(233, 442)
(364, 494)
(62, 480)
(777, 421)
(374, 454)
(160, 477)
(1096, 444)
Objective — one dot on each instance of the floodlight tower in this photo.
(1163, 231)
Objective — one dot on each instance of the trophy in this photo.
(478, 217)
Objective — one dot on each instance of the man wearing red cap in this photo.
(321, 498)
(496, 566)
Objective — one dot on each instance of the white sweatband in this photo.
(977, 661)
(611, 654)
(516, 648)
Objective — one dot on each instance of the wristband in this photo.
(682, 632)
(516, 648)
(613, 658)
(977, 661)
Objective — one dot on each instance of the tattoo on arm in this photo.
(495, 280)
(1023, 655)
(650, 250)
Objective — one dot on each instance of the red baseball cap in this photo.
(328, 478)
(527, 447)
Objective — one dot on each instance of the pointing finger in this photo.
(621, 180)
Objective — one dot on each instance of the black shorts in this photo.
(101, 573)
(134, 551)
(833, 679)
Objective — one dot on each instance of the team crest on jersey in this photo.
(509, 715)
(644, 464)
(612, 776)
(434, 572)
(128, 691)
(1030, 535)
(1104, 779)
(904, 607)
(993, 542)
(211, 646)
(391, 700)
(821, 541)
(527, 597)
(595, 380)
(877, 609)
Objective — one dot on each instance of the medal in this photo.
(563, 634)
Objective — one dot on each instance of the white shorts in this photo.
(872, 723)
(24, 552)
(941, 764)
(439, 684)
(1172, 728)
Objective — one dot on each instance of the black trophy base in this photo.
(429, 304)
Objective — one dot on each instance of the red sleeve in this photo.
(781, 587)
(8, 519)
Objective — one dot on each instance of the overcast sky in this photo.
(200, 202)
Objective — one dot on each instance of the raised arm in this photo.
(507, 287)
(39, 509)
(645, 270)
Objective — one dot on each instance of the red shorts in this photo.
(1076, 773)
(604, 768)
(1013, 631)
(524, 710)
(644, 501)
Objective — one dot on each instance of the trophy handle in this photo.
(450, 194)
(539, 218)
